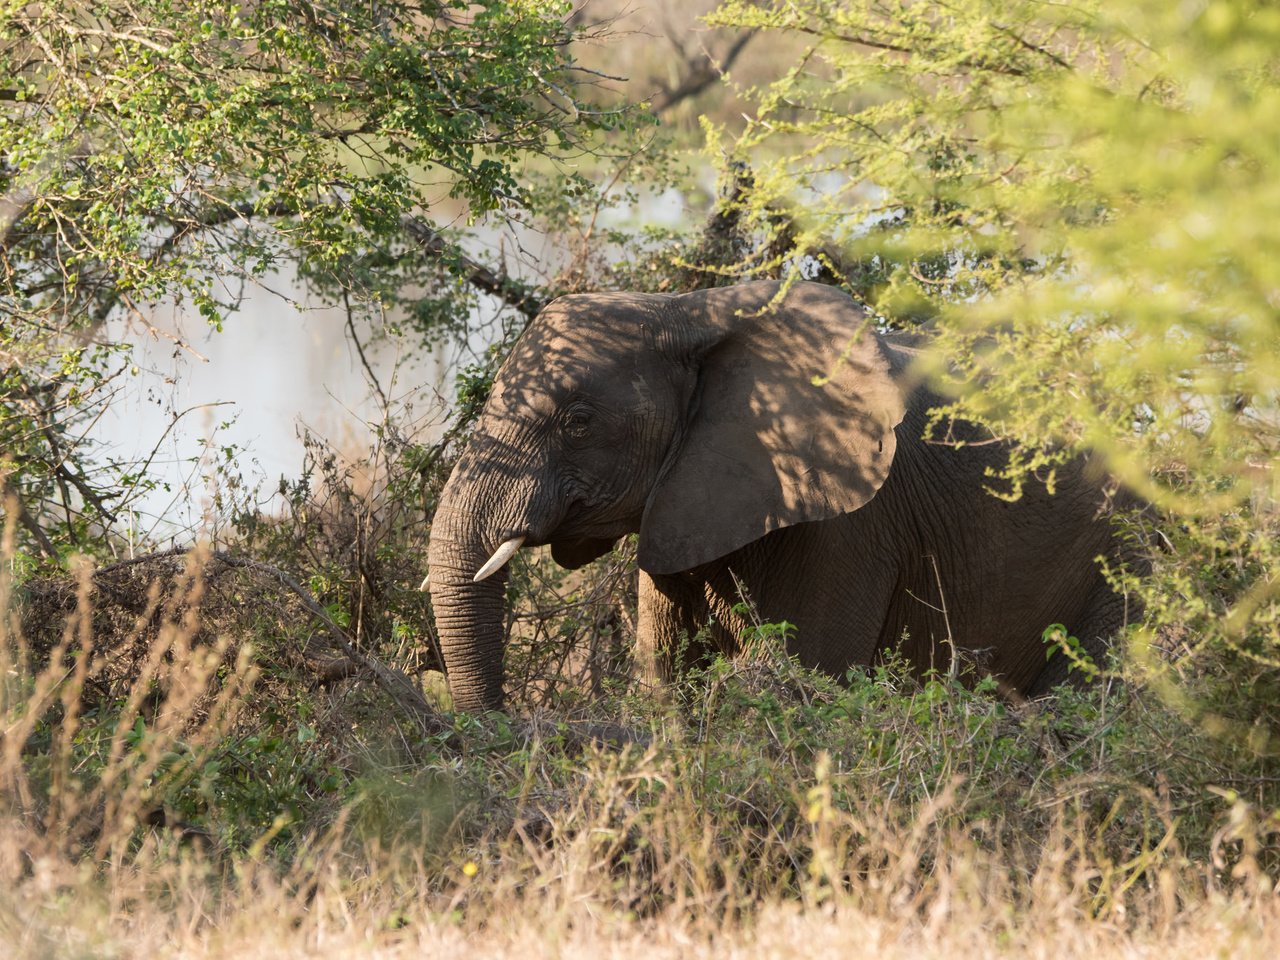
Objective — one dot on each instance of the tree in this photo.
(152, 149)
(1084, 196)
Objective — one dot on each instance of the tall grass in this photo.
(172, 781)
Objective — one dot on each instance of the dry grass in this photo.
(263, 928)
(166, 905)
(174, 783)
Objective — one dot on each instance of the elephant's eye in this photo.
(576, 423)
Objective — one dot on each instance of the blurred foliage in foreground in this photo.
(1084, 196)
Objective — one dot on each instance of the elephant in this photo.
(761, 438)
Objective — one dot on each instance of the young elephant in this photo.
(768, 444)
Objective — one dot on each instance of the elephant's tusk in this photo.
(425, 585)
(499, 559)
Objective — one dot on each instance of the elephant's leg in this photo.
(1104, 615)
(671, 627)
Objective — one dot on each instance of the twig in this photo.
(351, 330)
(953, 668)
(27, 521)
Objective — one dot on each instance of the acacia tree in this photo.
(152, 149)
(1084, 196)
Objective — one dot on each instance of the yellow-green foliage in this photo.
(1085, 197)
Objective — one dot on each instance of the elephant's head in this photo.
(701, 421)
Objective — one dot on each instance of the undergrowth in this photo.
(197, 745)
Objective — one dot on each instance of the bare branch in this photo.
(702, 75)
(12, 502)
(503, 286)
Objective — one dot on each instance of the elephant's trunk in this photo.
(469, 618)
(469, 615)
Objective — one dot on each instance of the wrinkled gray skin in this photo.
(697, 422)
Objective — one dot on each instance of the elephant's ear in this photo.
(793, 422)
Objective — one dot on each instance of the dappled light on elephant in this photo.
(762, 440)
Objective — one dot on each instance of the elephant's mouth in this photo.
(569, 551)
(574, 553)
(588, 530)
(570, 554)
